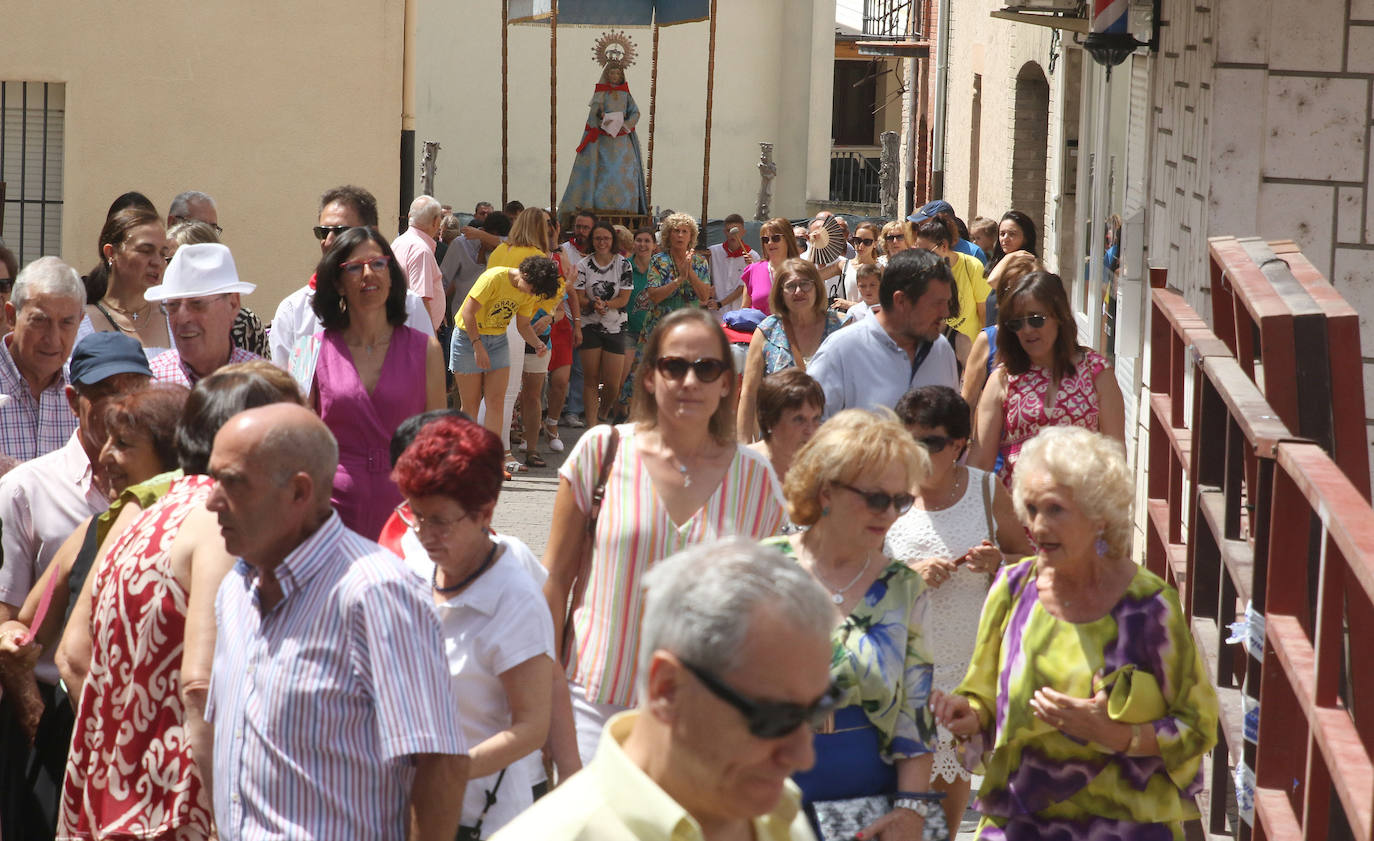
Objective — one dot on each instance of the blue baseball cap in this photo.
(930, 209)
(100, 356)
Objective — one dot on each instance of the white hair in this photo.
(1093, 467)
(47, 276)
(700, 603)
(181, 205)
(424, 210)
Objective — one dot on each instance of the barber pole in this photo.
(1109, 40)
(1110, 16)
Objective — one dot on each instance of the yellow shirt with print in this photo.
(973, 289)
(498, 301)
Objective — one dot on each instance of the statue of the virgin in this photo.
(608, 173)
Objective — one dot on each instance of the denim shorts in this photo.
(463, 356)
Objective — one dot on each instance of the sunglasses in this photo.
(767, 238)
(864, 241)
(934, 443)
(878, 501)
(322, 232)
(894, 237)
(798, 286)
(675, 368)
(1015, 324)
(376, 264)
(770, 719)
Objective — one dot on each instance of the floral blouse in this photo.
(777, 350)
(880, 662)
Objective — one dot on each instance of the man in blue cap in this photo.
(42, 501)
(942, 208)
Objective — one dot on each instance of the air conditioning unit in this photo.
(1060, 6)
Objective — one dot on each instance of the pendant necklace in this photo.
(837, 596)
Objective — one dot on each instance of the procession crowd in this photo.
(850, 524)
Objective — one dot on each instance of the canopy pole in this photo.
(553, 109)
(653, 109)
(710, 97)
(505, 104)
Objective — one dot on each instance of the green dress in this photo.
(880, 661)
(1038, 782)
(662, 271)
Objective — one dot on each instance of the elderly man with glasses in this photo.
(341, 208)
(734, 673)
(200, 295)
(194, 206)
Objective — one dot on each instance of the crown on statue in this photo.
(614, 49)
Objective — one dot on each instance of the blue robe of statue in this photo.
(607, 174)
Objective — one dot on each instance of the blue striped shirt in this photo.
(319, 704)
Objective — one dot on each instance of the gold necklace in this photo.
(132, 315)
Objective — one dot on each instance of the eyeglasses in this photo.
(767, 238)
(415, 522)
(355, 267)
(878, 501)
(675, 368)
(798, 286)
(1015, 324)
(770, 719)
(934, 443)
(195, 306)
(864, 241)
(894, 237)
(6, 285)
(322, 232)
(217, 228)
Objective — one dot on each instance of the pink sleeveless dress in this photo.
(1024, 412)
(363, 423)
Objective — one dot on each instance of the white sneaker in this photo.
(556, 444)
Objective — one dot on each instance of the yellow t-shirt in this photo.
(973, 289)
(498, 302)
(511, 255)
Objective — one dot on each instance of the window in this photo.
(852, 120)
(32, 120)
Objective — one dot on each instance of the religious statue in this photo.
(608, 173)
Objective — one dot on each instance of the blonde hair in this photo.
(780, 225)
(531, 230)
(624, 240)
(852, 443)
(902, 228)
(674, 221)
(192, 232)
(802, 270)
(1092, 467)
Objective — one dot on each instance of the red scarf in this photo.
(602, 87)
(312, 283)
(593, 133)
(743, 249)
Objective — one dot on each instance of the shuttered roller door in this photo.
(32, 120)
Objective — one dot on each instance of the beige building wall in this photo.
(773, 76)
(263, 107)
(997, 51)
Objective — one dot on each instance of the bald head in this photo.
(287, 439)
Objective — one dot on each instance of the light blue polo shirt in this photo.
(861, 367)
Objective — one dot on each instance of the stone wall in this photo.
(1262, 115)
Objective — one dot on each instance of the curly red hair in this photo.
(455, 458)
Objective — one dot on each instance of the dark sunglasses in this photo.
(864, 241)
(878, 501)
(1015, 324)
(894, 237)
(322, 232)
(934, 443)
(767, 238)
(770, 719)
(675, 368)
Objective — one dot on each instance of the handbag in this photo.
(584, 565)
(474, 832)
(841, 820)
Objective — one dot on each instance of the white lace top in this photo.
(954, 607)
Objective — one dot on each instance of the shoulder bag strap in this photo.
(988, 479)
(490, 795)
(579, 585)
(922, 351)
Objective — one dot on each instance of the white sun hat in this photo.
(197, 270)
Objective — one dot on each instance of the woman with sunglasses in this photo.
(371, 372)
(956, 535)
(485, 591)
(789, 337)
(896, 237)
(867, 248)
(1045, 377)
(779, 245)
(847, 486)
(676, 477)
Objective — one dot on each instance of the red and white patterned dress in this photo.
(130, 773)
(1023, 409)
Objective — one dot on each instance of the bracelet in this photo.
(1134, 744)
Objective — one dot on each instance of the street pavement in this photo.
(525, 509)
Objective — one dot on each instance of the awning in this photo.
(610, 12)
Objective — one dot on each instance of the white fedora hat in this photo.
(197, 270)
